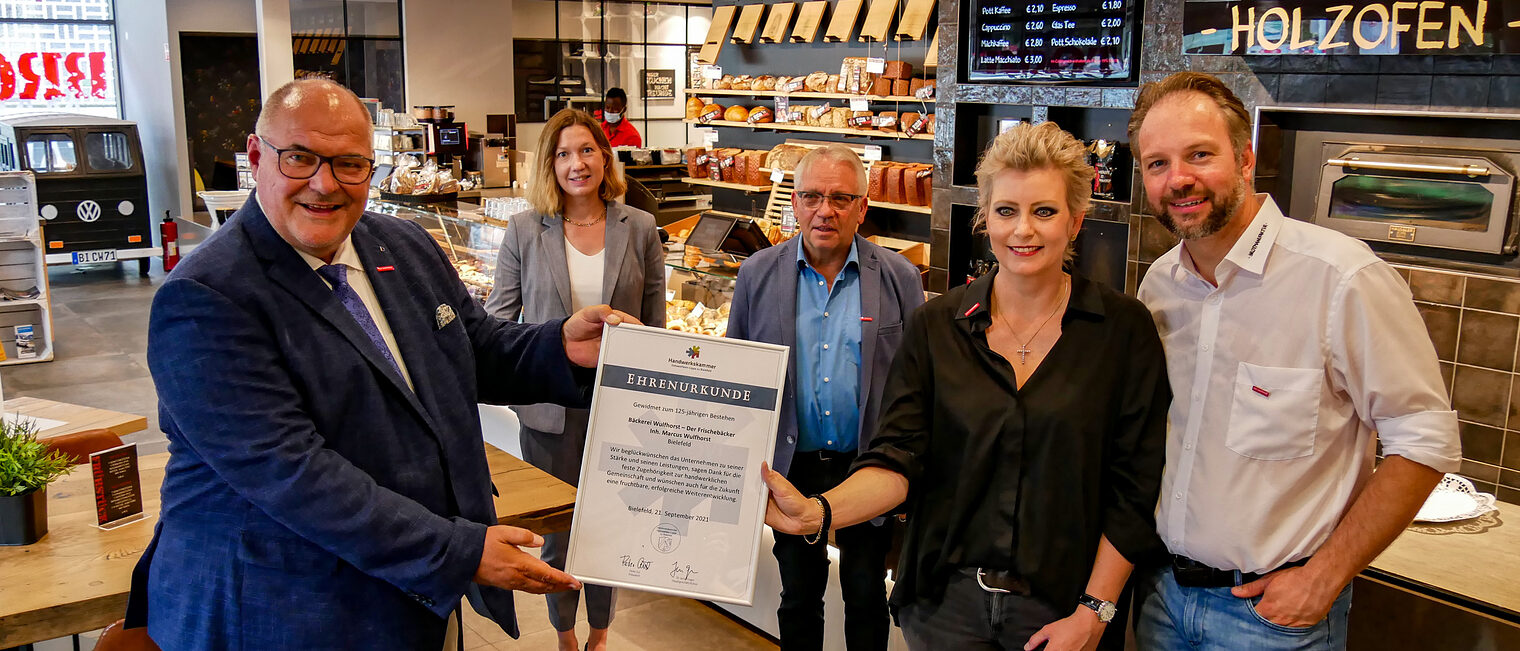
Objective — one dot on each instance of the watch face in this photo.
(1106, 612)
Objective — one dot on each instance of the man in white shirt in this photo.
(1289, 347)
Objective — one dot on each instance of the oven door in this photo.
(1452, 202)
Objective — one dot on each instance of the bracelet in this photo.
(823, 528)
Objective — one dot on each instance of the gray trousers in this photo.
(560, 456)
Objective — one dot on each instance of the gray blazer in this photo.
(533, 280)
(765, 309)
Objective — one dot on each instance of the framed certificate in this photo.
(671, 499)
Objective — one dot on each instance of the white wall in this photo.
(141, 40)
(462, 56)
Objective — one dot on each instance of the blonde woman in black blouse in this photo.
(1023, 430)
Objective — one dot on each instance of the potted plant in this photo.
(26, 467)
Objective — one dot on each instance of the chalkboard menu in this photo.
(1053, 40)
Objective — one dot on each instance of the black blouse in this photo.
(1024, 479)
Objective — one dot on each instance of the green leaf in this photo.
(27, 464)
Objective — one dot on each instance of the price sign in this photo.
(860, 104)
(712, 72)
(778, 175)
(873, 152)
(783, 108)
(876, 65)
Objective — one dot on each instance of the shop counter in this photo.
(1443, 586)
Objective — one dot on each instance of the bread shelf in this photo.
(726, 185)
(784, 126)
(807, 95)
(922, 210)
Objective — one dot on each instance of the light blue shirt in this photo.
(828, 357)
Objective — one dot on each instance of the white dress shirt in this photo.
(357, 280)
(585, 276)
(1282, 375)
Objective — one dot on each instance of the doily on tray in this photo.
(1455, 499)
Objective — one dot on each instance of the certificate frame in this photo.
(671, 498)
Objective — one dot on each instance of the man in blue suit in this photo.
(318, 370)
(839, 302)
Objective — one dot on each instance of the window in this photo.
(62, 55)
(108, 152)
(47, 153)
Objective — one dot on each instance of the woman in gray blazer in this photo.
(577, 247)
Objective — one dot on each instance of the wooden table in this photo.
(76, 418)
(1474, 564)
(77, 577)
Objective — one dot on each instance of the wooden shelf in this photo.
(922, 210)
(802, 94)
(786, 126)
(727, 186)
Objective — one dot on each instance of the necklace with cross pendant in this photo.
(1023, 349)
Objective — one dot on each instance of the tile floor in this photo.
(100, 323)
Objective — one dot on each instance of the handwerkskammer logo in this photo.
(694, 352)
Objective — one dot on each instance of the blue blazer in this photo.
(312, 500)
(765, 309)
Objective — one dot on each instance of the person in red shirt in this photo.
(620, 132)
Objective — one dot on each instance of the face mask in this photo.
(612, 118)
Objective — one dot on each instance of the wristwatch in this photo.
(1105, 609)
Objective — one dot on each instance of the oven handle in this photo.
(1468, 170)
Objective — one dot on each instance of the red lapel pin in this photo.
(385, 268)
(865, 318)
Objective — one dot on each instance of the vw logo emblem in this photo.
(88, 211)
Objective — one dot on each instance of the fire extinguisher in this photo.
(168, 232)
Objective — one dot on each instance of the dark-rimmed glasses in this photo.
(838, 200)
(297, 163)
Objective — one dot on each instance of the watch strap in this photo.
(1104, 609)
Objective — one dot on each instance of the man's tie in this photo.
(337, 274)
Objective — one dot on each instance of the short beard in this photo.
(1218, 217)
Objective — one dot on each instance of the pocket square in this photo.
(444, 315)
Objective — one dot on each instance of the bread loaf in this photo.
(900, 87)
(785, 157)
(899, 70)
(887, 121)
(696, 162)
(834, 85)
(742, 82)
(922, 89)
(863, 120)
(709, 113)
(925, 178)
(741, 167)
(760, 115)
(906, 120)
(816, 82)
(727, 164)
(725, 83)
(757, 175)
(876, 186)
(764, 82)
(840, 117)
(693, 107)
(882, 87)
(895, 183)
(736, 113)
(930, 128)
(790, 84)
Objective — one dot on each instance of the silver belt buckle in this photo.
(983, 585)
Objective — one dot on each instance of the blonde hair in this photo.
(543, 188)
(1237, 119)
(1029, 147)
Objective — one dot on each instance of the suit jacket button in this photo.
(790, 440)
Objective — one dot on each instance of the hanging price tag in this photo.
(783, 108)
(860, 104)
(712, 72)
(709, 137)
(872, 152)
(778, 175)
(877, 65)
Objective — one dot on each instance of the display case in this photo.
(699, 287)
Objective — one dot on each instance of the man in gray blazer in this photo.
(839, 302)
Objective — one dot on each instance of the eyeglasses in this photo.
(838, 200)
(296, 163)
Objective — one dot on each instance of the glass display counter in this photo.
(698, 289)
(463, 232)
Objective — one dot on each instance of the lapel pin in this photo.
(1264, 393)
(385, 268)
(444, 315)
(865, 318)
(973, 309)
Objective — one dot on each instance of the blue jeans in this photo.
(1175, 618)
